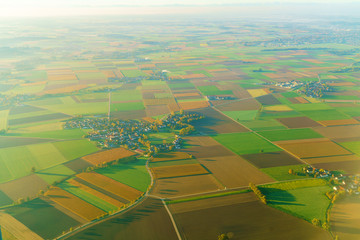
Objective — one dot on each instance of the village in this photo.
(339, 181)
(133, 134)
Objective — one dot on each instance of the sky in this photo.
(25, 8)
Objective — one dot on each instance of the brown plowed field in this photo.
(345, 220)
(148, 221)
(350, 167)
(178, 170)
(268, 100)
(271, 159)
(298, 122)
(185, 185)
(332, 159)
(234, 171)
(74, 204)
(340, 131)
(216, 123)
(339, 122)
(24, 187)
(169, 156)
(242, 215)
(248, 104)
(314, 149)
(201, 141)
(96, 193)
(110, 185)
(108, 156)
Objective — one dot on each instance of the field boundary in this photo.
(172, 220)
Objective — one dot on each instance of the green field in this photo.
(4, 199)
(40, 156)
(42, 218)
(322, 115)
(264, 124)
(132, 174)
(282, 173)
(130, 106)
(352, 146)
(55, 174)
(87, 197)
(245, 143)
(290, 134)
(242, 115)
(302, 199)
(126, 95)
(65, 134)
(4, 119)
(213, 90)
(76, 148)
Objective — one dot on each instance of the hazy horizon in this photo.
(41, 8)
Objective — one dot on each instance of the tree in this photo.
(181, 111)
(325, 226)
(223, 237)
(316, 222)
(291, 171)
(33, 169)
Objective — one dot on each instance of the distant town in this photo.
(132, 134)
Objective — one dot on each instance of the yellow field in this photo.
(279, 108)
(339, 122)
(257, 92)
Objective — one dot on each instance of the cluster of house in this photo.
(318, 173)
(341, 182)
(315, 89)
(350, 184)
(215, 97)
(289, 84)
(131, 134)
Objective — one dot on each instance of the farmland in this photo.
(97, 125)
(200, 219)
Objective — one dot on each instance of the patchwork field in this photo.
(239, 214)
(151, 217)
(74, 204)
(234, 171)
(110, 185)
(303, 198)
(38, 213)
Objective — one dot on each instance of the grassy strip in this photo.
(207, 196)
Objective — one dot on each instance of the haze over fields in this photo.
(179, 120)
